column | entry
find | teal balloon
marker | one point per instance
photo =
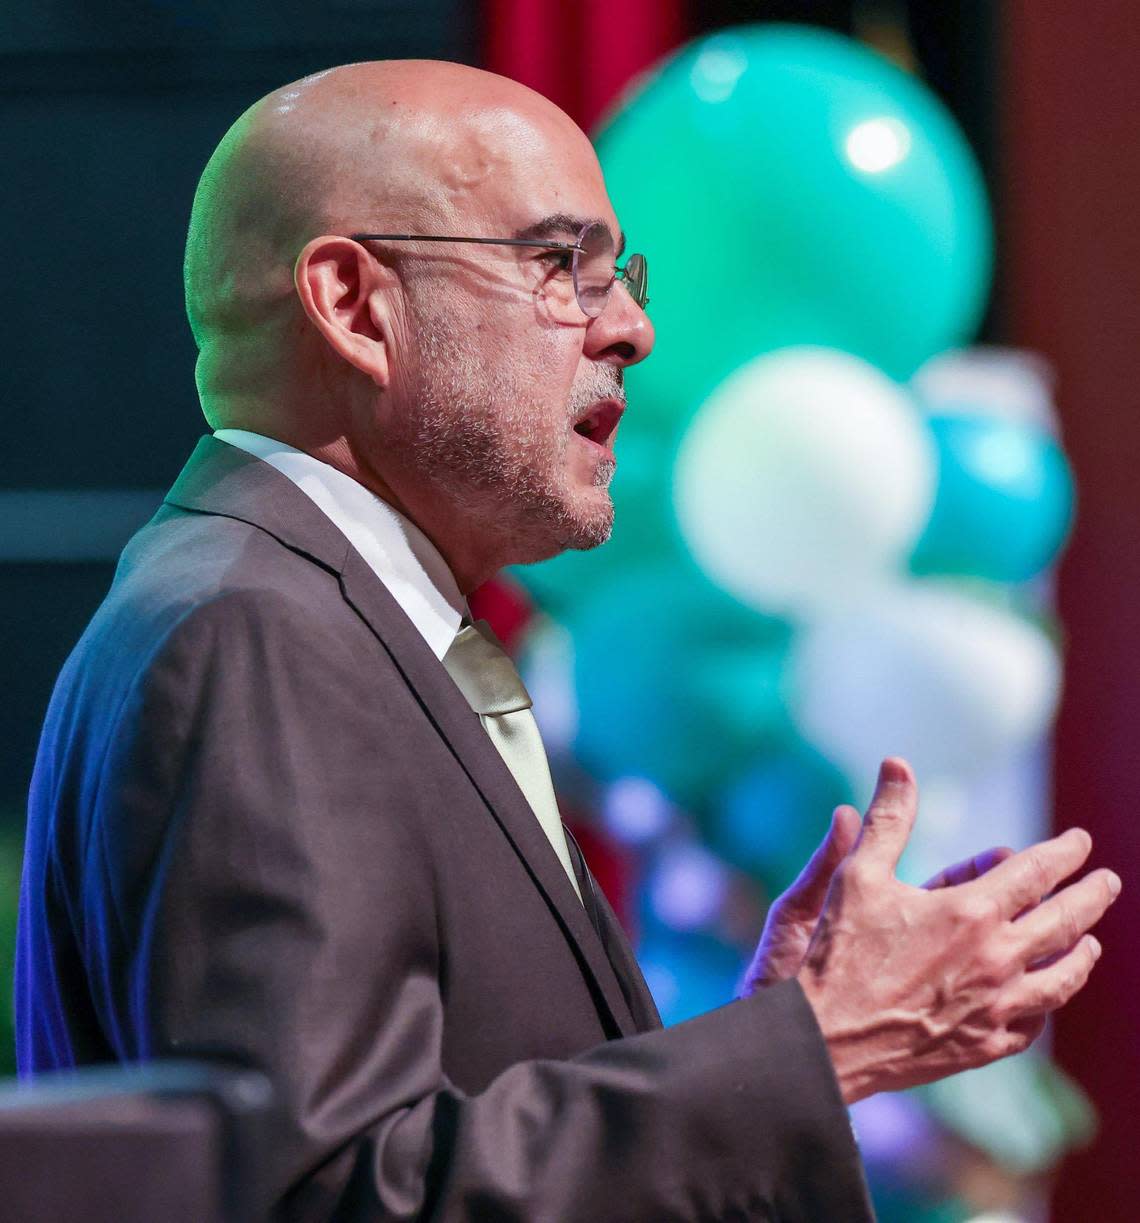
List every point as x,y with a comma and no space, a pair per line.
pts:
896,1203
1004,503
772,817
675,682
792,186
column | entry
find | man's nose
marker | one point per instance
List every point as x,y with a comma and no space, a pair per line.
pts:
622,333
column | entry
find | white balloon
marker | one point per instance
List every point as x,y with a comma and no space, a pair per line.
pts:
1011,384
926,672
804,480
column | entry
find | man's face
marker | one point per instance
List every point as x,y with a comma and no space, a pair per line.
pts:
497,379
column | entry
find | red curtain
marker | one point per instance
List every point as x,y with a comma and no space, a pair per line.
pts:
1071,137
579,53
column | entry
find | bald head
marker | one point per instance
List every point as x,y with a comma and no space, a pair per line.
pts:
446,377
402,145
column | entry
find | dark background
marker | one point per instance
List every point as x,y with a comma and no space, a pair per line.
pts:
109,112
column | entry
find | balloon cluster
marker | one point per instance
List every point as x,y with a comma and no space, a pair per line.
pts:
831,519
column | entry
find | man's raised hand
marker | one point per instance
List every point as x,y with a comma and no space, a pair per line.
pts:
792,916
912,984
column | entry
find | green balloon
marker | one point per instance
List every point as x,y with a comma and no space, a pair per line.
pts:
791,186
676,682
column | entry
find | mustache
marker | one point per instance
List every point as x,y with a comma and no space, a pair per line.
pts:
605,382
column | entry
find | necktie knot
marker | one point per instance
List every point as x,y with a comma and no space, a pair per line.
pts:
484,672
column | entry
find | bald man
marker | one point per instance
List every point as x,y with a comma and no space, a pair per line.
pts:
266,823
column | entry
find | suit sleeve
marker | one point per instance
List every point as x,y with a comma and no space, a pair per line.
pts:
279,906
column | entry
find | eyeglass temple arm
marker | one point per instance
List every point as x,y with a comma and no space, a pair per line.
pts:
546,246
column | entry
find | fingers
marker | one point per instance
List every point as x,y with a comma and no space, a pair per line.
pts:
1060,921
1021,881
971,868
804,899
1046,989
890,817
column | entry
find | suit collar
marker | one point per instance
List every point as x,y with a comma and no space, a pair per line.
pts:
401,555
221,479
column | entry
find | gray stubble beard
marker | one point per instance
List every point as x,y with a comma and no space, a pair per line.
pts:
468,410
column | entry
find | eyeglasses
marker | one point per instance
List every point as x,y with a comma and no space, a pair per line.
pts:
592,269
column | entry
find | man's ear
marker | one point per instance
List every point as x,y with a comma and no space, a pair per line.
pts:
343,291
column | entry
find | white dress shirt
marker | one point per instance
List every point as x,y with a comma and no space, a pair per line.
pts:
397,551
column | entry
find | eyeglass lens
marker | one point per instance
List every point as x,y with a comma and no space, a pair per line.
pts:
636,276
594,273
593,269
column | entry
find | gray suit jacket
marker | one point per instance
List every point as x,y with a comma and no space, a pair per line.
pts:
265,826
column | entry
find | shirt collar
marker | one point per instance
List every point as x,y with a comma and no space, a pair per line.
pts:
395,549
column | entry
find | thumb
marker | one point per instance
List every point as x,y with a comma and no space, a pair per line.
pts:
890,817
804,899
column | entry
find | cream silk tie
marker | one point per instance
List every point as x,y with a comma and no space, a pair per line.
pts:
484,673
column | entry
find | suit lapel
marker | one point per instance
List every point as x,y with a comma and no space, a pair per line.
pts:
222,479
620,954
634,988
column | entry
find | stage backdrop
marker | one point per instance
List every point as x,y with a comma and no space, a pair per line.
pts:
1067,195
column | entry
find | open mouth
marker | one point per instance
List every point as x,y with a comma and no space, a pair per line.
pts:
600,422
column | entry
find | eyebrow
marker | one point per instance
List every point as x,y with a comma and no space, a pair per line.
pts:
562,223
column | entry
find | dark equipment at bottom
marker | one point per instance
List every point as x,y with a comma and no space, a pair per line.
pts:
173,1141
